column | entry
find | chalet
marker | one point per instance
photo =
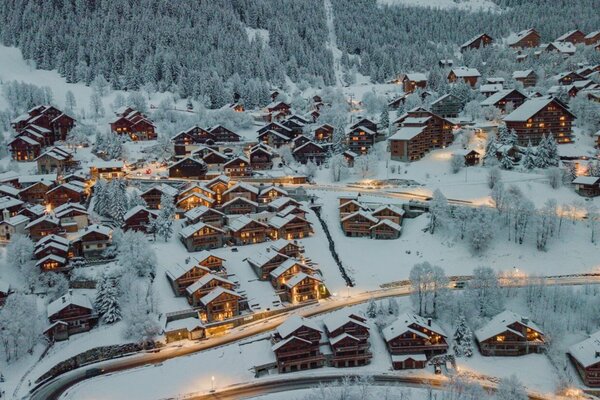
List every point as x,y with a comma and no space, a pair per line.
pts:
389,212
527,77
574,37
190,328
366,123
245,230
54,123
52,263
55,160
290,249
107,170
32,211
93,241
9,191
24,148
303,287
471,157
9,227
414,81
209,260
238,166
587,186
538,117
203,286
490,88
504,100
358,224
397,101
43,226
414,336
526,38
420,132
239,205
222,134
446,63
521,57
241,189
567,78
588,70
265,262
220,304
361,139
188,168
385,229
349,157
586,357
300,140
261,157
201,236
139,218
205,214
210,156
479,41
348,338
270,193
286,270
295,126
323,133
592,38
194,187
350,207
70,314
509,334
564,48
468,75
280,203
154,194
36,192
185,142
273,138
297,345
277,127
133,123
278,110
310,151
72,216
181,277
193,200
65,193
5,290
289,227
447,106
9,207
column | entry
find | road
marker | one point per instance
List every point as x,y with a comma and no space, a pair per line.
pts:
52,389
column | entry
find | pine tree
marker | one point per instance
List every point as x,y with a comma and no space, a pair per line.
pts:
491,147
384,119
101,197
543,157
529,158
135,199
112,307
163,224
101,304
506,162
552,150
463,346
371,308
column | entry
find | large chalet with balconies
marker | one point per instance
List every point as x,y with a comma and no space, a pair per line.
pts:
541,116
219,304
585,356
296,345
348,339
68,315
133,123
524,39
509,99
509,334
477,42
201,236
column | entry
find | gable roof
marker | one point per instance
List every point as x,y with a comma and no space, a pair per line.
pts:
287,264
407,132
199,211
242,185
69,299
335,321
205,280
362,213
522,74
295,322
402,323
500,323
242,221
282,343
532,107
299,277
496,97
465,72
216,293
136,210
587,352
191,229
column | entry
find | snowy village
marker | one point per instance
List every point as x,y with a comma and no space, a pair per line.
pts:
300,200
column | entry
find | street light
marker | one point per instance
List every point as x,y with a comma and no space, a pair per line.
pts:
212,384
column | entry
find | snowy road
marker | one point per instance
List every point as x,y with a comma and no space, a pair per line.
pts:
332,43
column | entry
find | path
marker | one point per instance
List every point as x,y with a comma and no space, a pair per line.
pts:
332,43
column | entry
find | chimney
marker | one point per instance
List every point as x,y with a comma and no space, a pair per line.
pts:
70,292
428,321
525,320
268,249
5,214
64,299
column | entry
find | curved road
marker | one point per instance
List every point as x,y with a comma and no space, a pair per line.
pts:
51,390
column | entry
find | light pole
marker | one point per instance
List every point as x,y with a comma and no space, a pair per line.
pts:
212,384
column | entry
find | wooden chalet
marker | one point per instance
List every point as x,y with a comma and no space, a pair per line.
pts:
280,203
303,287
585,355
241,189
575,37
290,227
265,262
447,106
55,245
414,336
181,277
349,340
220,304
468,75
68,315
238,167
65,193
524,39
212,158
510,98
134,124
154,194
278,110
24,148
361,139
385,229
350,207
273,138
222,134
310,151
295,125
205,214
52,263
185,142
48,121
300,140
239,205
9,207
538,117
35,193
11,226
288,248
587,186
510,334
55,160
323,133
296,345
245,230
190,328
43,226
471,157
72,216
414,81
568,78
93,241
188,168
206,284
477,42
286,270
592,38
270,193
261,157
527,77
193,200
201,236
420,132
358,224
107,170
139,218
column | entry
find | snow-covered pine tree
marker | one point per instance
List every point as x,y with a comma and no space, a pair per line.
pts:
529,161
438,211
112,311
506,162
163,224
371,308
543,156
101,197
100,303
384,119
135,199
552,150
463,345
491,147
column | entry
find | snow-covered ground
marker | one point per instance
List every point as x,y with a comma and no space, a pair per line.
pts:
467,5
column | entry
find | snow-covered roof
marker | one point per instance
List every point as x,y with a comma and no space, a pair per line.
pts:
68,186
53,238
200,283
473,39
407,132
25,180
197,195
500,323
362,214
52,257
416,76
311,143
8,176
403,322
299,277
335,321
242,199
189,324
16,220
242,185
586,180
106,164
176,271
388,223
587,352
287,264
163,188
189,230
566,35
591,35
339,338
201,162
26,139
404,357
491,87
496,97
264,257
241,222
564,47
278,222
67,300
49,218
295,322
136,210
528,109
515,37
52,245
281,201
282,343
8,202
522,74
393,208
216,293
276,188
364,129
465,72
280,244
197,212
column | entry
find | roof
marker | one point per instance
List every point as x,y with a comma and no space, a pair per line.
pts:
282,343
264,257
279,244
16,220
205,280
69,299
101,229
50,218
364,129
163,188
199,211
240,222
591,35
407,132
491,87
53,238
474,38
587,352
281,201
564,47
201,162
278,222
389,223
242,199
299,277
107,164
287,264
295,322
30,179
586,180
464,72
416,76
361,213
566,35
189,324
443,98
216,293
402,323
390,207
500,323
335,321
404,357
8,202
530,108
514,38
176,271
136,210
496,97
522,74
52,257
276,188
68,186
339,338
191,229
242,185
